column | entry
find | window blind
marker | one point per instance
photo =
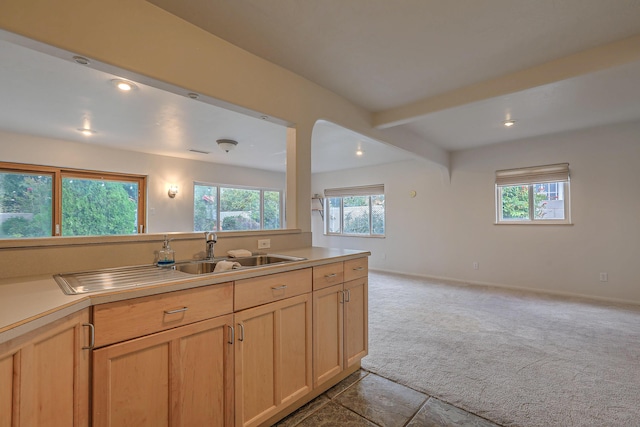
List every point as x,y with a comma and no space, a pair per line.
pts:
365,190
533,175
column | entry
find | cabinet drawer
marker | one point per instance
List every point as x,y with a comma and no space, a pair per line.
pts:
327,275
274,287
123,320
356,268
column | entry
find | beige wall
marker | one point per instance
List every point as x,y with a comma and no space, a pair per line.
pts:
69,254
448,226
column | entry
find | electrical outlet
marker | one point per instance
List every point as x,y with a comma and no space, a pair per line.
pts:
476,266
604,277
264,243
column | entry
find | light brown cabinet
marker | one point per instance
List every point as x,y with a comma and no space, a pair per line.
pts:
356,321
273,353
44,376
340,319
123,320
238,353
328,333
181,375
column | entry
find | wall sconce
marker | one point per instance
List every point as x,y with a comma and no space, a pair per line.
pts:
173,190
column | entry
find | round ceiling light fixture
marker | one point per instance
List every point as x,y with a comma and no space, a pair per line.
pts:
227,144
124,85
509,123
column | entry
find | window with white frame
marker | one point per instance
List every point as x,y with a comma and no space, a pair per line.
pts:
226,208
533,195
355,211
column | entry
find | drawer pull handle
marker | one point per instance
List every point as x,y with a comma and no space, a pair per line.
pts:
358,269
92,336
330,276
278,288
177,310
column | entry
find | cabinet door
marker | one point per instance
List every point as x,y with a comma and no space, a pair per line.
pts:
7,390
356,321
180,377
328,359
273,358
44,376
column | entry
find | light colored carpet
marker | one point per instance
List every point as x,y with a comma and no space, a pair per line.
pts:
518,359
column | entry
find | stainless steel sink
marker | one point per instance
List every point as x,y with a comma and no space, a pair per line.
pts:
145,275
258,260
205,267
196,267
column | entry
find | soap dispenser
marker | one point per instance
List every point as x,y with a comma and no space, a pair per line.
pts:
166,255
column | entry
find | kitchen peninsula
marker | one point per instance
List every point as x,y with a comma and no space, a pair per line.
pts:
243,347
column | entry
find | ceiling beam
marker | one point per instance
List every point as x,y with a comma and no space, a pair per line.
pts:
599,58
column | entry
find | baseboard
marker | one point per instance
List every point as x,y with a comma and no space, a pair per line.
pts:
568,295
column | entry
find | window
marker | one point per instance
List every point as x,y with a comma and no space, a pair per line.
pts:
95,205
223,208
537,195
40,201
355,211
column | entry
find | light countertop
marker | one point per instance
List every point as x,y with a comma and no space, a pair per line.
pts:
27,303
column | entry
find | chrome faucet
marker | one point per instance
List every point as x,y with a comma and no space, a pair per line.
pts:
211,238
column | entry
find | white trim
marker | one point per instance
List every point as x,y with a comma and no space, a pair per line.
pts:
531,220
498,286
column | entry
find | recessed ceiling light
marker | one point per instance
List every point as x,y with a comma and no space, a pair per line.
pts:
509,123
86,131
359,152
81,60
124,85
193,95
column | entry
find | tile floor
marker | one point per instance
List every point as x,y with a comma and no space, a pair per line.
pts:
368,400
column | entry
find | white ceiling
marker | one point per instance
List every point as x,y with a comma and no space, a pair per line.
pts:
50,95
599,98
385,56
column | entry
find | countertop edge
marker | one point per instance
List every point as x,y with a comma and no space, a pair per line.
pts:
314,256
